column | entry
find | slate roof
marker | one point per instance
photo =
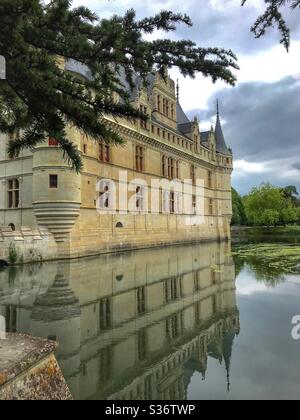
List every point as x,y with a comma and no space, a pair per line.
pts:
220,140
181,117
184,125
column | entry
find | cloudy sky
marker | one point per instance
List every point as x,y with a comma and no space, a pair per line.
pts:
261,117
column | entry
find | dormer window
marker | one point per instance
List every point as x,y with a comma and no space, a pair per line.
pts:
143,110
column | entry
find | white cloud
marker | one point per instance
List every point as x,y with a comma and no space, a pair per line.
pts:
251,167
270,66
247,285
267,66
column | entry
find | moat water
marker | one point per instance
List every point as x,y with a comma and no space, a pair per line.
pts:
175,323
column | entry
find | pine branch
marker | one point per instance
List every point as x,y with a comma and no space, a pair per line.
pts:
41,99
272,16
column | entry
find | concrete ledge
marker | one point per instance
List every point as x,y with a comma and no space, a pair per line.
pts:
29,370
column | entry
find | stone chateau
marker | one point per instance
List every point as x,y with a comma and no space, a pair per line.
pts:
50,211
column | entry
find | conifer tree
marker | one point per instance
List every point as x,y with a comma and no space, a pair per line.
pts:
273,16
39,99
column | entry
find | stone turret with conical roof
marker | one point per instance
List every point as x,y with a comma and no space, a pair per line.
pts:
220,140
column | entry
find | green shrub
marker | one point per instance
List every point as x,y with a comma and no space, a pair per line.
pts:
13,254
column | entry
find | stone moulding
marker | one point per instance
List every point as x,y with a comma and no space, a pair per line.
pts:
29,370
58,217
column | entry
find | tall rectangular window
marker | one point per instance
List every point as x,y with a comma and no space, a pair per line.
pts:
171,168
177,169
53,181
13,193
104,152
163,166
164,106
211,207
139,158
173,289
143,110
193,175
158,103
172,202
194,203
209,179
140,193
105,314
172,112
141,300
174,326
142,344
196,281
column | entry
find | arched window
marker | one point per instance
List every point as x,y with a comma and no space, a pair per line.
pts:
119,225
12,226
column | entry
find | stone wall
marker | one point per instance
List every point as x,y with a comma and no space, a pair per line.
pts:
26,245
29,370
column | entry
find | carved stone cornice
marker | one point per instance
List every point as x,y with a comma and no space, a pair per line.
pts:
158,145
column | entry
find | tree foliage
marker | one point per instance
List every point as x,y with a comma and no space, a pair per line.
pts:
238,209
39,99
267,206
273,16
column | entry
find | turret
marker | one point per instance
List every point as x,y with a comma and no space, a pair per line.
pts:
56,189
220,140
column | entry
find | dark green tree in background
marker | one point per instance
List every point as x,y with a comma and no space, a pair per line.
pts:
238,209
291,194
39,99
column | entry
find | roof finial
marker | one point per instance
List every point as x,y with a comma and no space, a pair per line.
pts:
177,90
218,109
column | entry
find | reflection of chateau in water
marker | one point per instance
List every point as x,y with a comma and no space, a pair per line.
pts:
131,326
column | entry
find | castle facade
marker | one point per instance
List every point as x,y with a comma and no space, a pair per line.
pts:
41,196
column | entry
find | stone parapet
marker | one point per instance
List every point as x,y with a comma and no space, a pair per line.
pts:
29,370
